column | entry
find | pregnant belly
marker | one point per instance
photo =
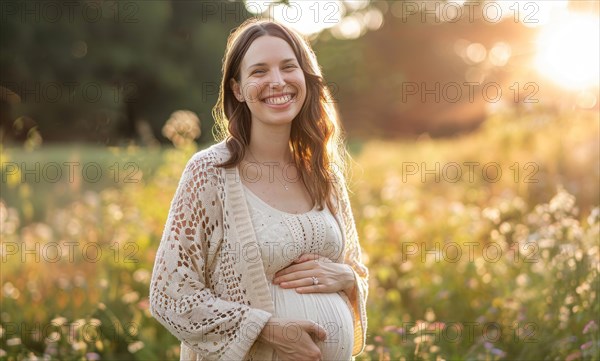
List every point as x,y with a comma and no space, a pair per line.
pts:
329,310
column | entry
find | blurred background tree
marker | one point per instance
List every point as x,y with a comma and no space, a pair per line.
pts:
113,74
113,71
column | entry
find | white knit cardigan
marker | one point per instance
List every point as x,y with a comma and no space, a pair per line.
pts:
208,285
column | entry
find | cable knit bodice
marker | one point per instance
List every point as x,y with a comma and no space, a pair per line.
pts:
283,236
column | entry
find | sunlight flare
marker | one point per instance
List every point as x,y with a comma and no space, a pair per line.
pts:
568,51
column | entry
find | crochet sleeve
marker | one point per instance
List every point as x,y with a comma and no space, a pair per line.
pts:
180,298
353,257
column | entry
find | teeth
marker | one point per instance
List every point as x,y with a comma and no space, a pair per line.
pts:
279,100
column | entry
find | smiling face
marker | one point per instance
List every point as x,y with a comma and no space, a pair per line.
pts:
271,82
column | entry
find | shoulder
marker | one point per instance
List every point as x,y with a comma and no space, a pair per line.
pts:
204,163
210,157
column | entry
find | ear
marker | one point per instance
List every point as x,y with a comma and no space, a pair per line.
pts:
236,90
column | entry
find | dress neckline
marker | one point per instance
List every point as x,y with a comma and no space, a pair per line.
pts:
267,205
270,207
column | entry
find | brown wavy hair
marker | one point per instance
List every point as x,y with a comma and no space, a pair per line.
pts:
316,138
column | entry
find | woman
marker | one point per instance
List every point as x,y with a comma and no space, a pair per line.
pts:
260,259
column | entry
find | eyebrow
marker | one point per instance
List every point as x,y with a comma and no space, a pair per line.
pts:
263,64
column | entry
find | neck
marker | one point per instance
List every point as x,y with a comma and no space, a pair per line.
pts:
270,143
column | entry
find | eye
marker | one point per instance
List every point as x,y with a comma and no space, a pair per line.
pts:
258,71
291,66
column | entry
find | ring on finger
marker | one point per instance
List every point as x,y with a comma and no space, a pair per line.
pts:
315,281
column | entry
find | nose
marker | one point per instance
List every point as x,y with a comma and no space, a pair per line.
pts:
277,78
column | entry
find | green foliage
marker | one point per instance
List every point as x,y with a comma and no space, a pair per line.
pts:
100,68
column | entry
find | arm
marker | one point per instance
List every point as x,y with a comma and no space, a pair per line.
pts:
357,293
179,297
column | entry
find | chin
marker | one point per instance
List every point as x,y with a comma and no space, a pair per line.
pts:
283,120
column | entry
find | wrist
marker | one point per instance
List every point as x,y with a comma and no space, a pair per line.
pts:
351,282
267,335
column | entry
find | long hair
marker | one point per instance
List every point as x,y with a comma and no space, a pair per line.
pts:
316,138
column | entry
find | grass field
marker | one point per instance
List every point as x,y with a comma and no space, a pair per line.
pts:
480,247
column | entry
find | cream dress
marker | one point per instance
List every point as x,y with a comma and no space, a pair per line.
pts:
282,238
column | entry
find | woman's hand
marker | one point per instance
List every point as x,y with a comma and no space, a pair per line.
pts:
292,339
331,276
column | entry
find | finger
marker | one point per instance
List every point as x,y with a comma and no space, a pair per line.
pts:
285,281
320,288
317,330
293,268
302,282
307,257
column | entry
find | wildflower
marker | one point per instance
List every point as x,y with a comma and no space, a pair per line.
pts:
562,202
492,214
130,297
590,327
141,275
436,326
92,356
420,326
58,321
115,211
505,227
135,346
429,315
9,289
182,127
522,279
594,216
53,337
144,304
15,341
546,243
498,352
51,350
80,345
587,345
394,329
79,280
423,339
389,328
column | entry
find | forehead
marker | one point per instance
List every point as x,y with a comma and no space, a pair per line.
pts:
267,49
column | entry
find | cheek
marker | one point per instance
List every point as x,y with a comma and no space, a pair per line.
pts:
299,82
302,88
252,90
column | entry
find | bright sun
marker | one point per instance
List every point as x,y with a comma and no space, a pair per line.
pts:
568,51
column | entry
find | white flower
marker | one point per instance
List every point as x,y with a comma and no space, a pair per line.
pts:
135,346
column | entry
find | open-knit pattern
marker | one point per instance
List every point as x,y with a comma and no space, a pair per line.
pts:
208,285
